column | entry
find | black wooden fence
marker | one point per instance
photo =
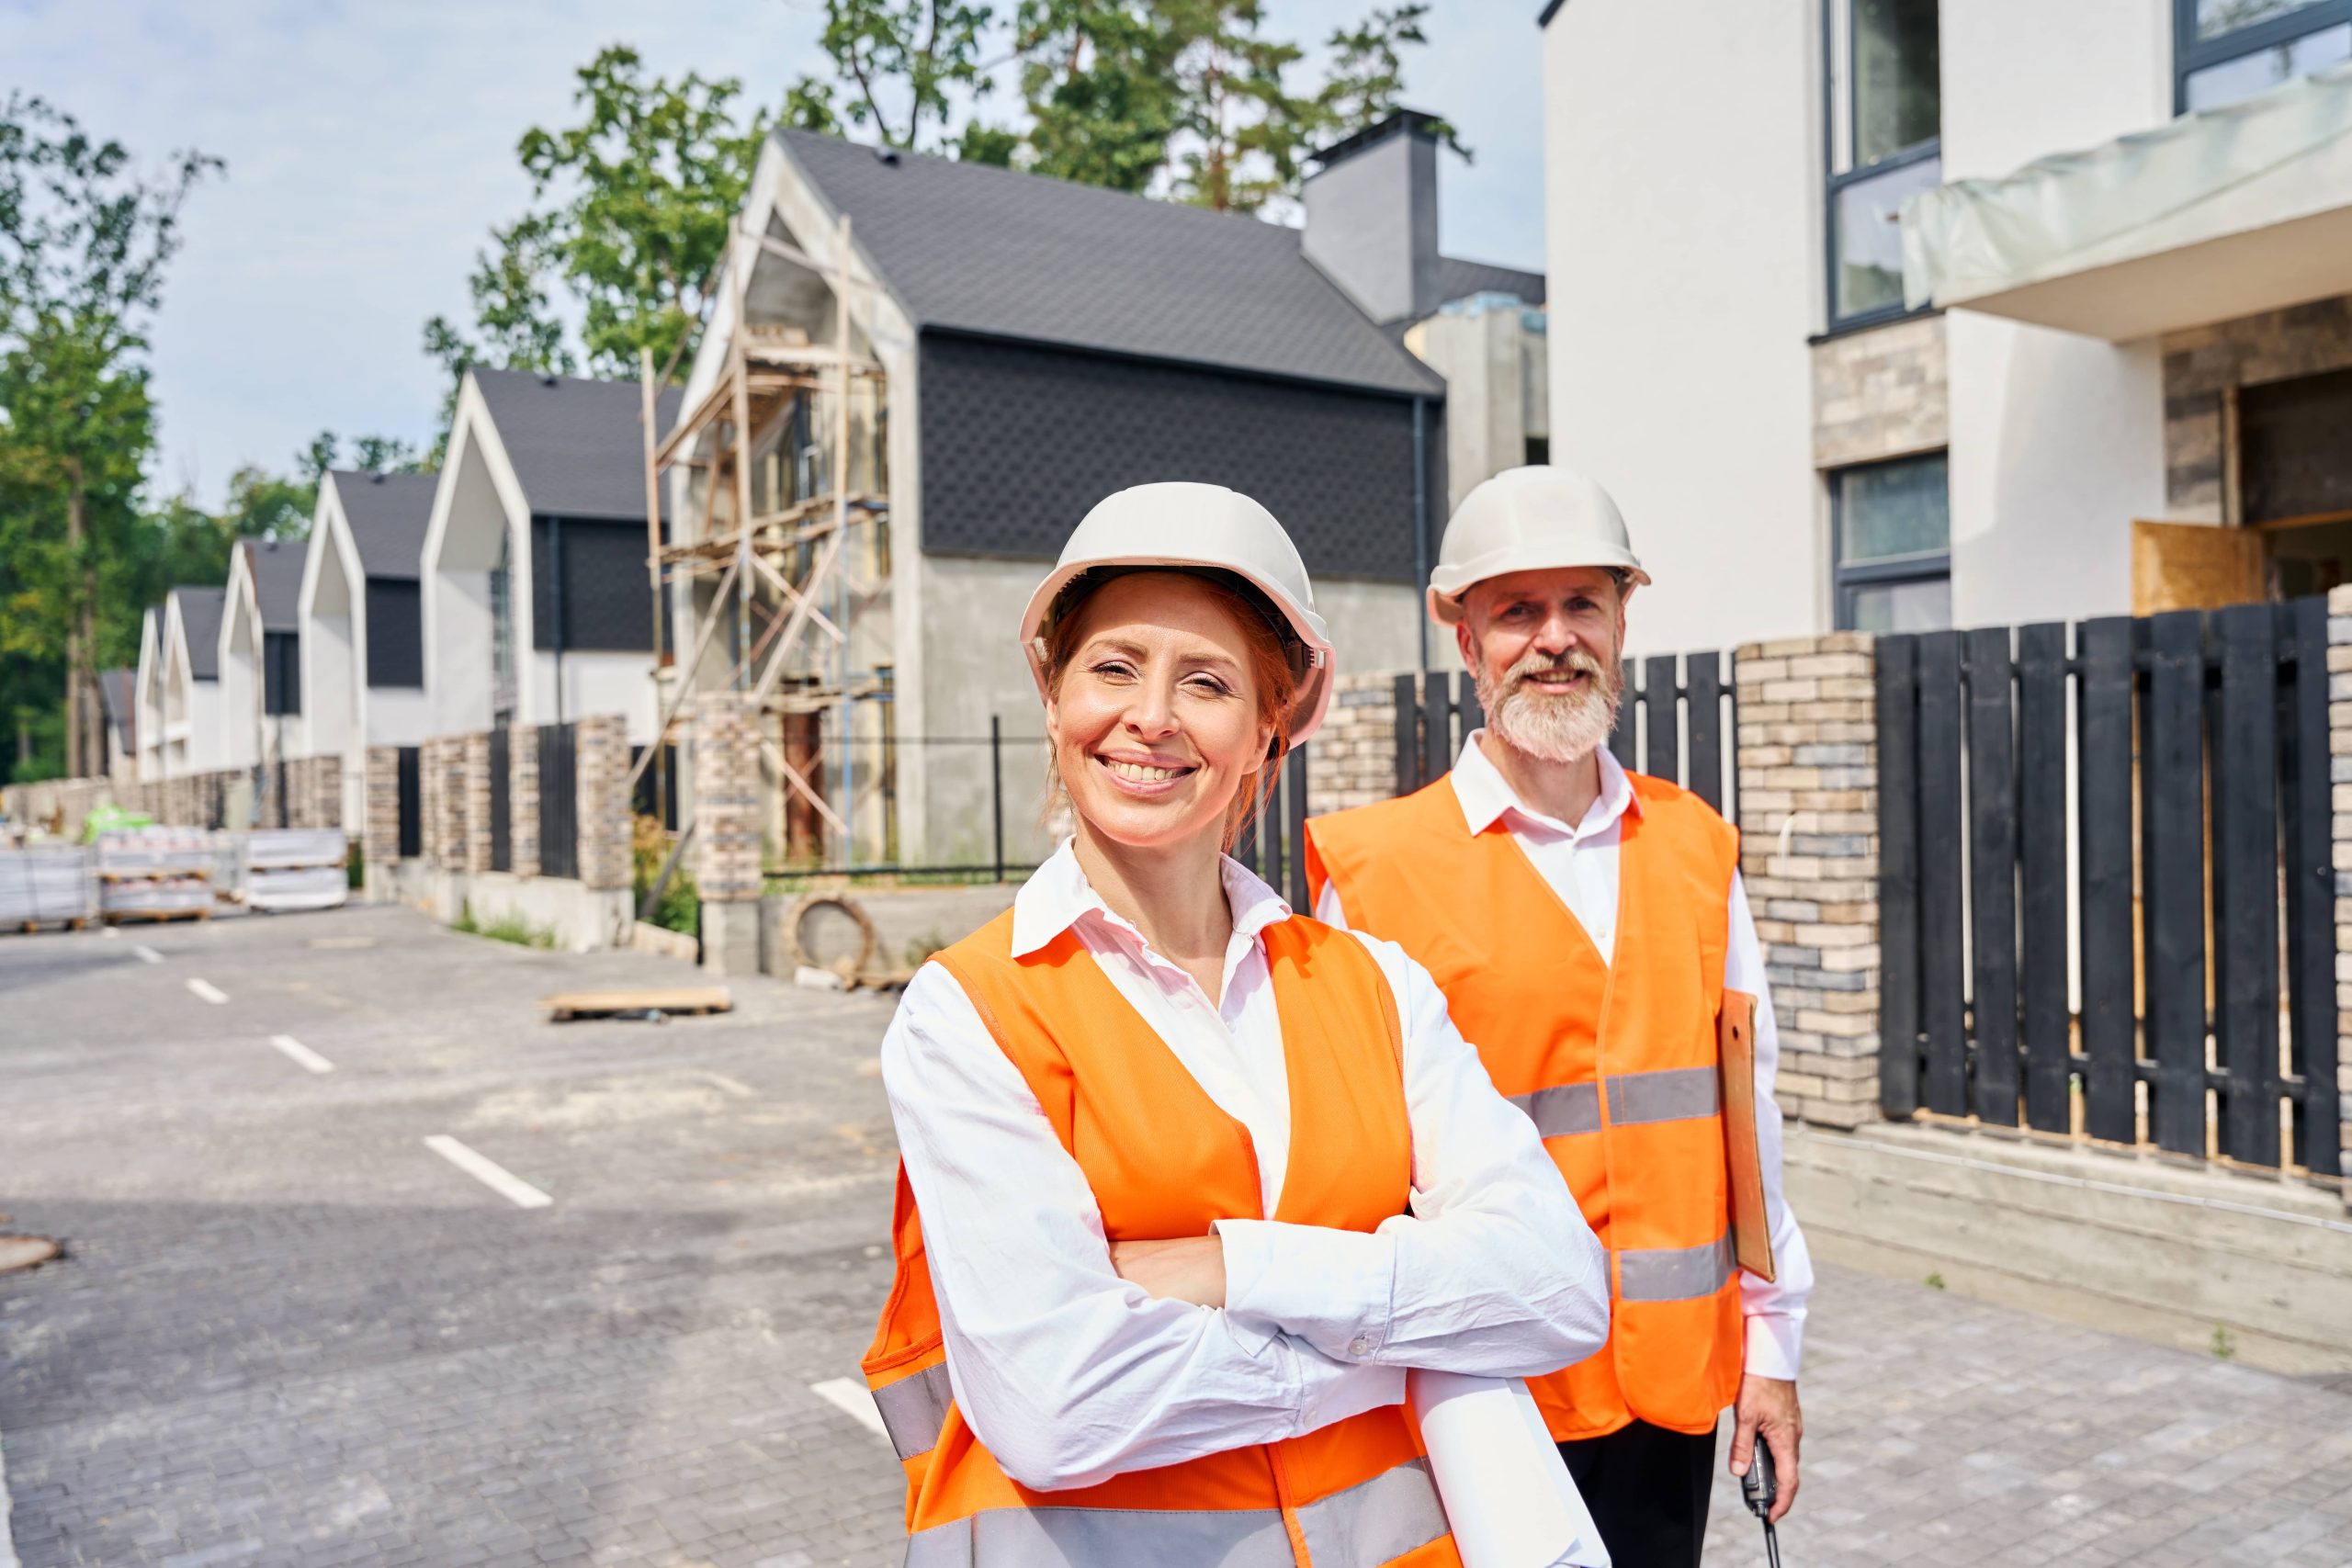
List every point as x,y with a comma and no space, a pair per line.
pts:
2022,978
558,801
1274,843
1672,723
411,790
502,799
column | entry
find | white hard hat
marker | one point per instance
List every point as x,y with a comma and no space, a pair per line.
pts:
1532,519
1195,527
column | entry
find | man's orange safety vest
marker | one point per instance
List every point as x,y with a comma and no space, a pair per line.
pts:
1163,1162
1616,1062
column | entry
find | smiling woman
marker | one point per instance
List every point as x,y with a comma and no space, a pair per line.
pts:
1189,1181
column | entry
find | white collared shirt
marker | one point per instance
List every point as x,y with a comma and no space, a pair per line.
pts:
1580,863
1069,1374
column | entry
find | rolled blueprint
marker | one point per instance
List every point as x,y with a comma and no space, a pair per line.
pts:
1508,1496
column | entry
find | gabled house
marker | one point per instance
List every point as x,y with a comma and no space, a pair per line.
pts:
117,695
538,604
360,609
261,673
192,729
1040,344
147,696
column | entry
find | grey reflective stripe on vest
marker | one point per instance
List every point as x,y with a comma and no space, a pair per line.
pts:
1105,1537
1674,1274
1557,1112
915,1410
1373,1522
1673,1094
1376,1520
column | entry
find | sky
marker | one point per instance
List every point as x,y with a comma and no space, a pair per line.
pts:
370,147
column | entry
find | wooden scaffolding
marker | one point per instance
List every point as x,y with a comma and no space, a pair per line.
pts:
778,539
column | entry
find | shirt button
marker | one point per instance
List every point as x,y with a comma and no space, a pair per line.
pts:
1360,1346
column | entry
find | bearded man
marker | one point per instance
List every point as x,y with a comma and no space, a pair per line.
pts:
1590,933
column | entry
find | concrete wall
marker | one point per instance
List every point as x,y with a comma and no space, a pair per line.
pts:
1685,275
458,643
581,919
590,682
1496,363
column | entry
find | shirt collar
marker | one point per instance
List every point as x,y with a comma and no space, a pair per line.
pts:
1484,794
1058,895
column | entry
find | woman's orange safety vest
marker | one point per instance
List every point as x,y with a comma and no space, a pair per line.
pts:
1616,1062
1164,1161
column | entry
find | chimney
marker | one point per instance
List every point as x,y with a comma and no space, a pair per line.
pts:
1372,217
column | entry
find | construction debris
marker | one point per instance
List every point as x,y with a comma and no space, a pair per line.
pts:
654,1003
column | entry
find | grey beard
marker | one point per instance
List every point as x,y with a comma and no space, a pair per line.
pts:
1555,729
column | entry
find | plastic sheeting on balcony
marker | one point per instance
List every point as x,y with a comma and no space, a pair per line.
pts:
2216,215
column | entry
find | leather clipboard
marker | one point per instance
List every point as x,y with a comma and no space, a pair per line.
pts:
1751,1227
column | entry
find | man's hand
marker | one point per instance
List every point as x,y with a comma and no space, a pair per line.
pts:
1191,1269
1769,1406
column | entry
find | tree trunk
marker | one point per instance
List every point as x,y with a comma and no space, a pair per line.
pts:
74,653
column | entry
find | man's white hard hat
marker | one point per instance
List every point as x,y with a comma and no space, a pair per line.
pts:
1532,519
1201,528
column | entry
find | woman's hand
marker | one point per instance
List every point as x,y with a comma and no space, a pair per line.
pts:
1191,1269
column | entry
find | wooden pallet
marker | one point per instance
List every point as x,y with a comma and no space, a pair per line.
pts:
665,1000
130,917
64,923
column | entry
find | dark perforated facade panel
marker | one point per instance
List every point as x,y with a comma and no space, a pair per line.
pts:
1018,442
281,672
607,602
395,633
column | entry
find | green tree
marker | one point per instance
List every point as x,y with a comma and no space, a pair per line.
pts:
1099,80
84,240
640,192
896,62
1368,73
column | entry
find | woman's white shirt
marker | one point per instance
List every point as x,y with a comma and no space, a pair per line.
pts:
1068,1374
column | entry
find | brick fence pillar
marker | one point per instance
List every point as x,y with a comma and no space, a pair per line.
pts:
1808,821
726,751
380,833
603,752
442,770
523,798
2339,775
1355,751
473,783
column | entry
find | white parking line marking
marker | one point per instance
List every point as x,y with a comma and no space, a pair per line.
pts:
147,953
108,932
488,1172
851,1399
206,991
303,1054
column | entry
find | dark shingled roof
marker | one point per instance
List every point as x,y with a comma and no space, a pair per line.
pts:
389,515
277,582
976,249
114,692
576,445
1458,279
200,610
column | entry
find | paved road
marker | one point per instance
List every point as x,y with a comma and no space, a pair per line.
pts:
289,1331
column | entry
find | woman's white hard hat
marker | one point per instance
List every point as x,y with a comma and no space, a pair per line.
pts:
1533,519
1199,528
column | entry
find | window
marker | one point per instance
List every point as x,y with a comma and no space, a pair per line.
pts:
281,672
395,633
1885,120
2226,51
1891,538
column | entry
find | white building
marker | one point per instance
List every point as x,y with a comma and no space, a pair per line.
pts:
2126,304
260,664
538,600
179,670
360,609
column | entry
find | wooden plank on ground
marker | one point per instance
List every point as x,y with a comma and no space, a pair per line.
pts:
653,999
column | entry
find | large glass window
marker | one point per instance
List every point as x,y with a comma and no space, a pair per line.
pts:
1891,528
2227,50
1884,119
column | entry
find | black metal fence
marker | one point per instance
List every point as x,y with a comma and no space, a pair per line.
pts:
1672,722
412,792
2121,980
501,798
1274,843
559,800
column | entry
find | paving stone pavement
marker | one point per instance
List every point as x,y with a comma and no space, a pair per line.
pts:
286,1333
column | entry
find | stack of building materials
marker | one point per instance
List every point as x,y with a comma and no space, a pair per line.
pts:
296,868
45,884
157,873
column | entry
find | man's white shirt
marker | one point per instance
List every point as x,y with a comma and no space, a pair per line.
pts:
1580,863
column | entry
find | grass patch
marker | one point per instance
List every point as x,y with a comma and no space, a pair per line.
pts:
505,927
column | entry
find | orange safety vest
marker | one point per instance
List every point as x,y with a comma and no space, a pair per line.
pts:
1616,1062
1164,1161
